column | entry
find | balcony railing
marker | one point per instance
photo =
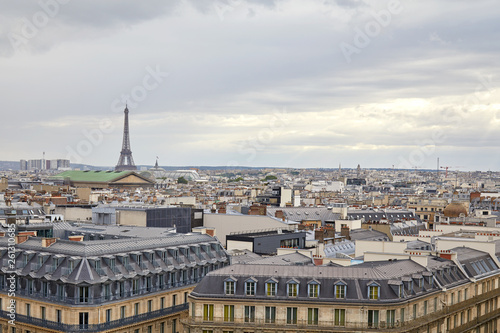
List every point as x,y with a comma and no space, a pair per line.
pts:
98,327
92,300
280,324
476,321
407,326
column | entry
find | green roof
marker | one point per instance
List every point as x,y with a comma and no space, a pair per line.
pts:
91,176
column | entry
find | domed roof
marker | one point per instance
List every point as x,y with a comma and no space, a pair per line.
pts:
454,209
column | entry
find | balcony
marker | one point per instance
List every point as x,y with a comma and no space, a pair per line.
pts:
93,300
476,322
97,327
407,326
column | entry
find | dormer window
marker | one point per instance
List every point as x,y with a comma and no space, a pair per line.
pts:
229,286
313,289
271,287
175,254
373,291
292,288
250,286
112,264
340,290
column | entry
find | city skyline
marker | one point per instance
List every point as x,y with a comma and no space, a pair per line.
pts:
253,83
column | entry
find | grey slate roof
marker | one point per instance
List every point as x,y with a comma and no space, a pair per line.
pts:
357,279
295,258
366,234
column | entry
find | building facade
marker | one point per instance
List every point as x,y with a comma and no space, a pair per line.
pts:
135,284
389,296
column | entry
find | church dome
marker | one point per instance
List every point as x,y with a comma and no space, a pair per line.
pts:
454,209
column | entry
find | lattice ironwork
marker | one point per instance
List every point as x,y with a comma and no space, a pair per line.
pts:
126,161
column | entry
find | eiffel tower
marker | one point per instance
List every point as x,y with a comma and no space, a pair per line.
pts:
125,162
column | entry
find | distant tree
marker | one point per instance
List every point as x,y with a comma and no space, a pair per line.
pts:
181,180
239,179
269,177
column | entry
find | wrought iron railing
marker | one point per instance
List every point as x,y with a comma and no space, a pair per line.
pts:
70,328
406,326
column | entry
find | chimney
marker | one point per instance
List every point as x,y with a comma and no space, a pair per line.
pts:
21,238
46,242
279,214
345,232
78,238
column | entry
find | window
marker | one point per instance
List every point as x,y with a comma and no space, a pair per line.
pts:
312,316
249,314
58,316
107,291
291,315
208,312
136,309
250,288
185,297
229,287
60,292
372,318
313,290
452,298
459,296
339,317
28,310
228,313
135,287
402,315
84,320
121,287
425,308
148,283
162,327
45,289
466,291
174,300
162,302
340,290
174,326
43,313
108,315
161,281
150,329
84,294
373,292
122,311
30,286
414,311
270,314
400,291
271,289
150,305
391,315
292,289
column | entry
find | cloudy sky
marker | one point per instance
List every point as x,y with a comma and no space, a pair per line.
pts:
287,83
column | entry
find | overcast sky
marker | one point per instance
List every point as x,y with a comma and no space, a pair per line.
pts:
286,83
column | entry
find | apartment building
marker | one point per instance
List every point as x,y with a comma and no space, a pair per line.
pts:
387,296
116,283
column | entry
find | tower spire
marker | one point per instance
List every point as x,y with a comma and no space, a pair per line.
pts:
125,162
